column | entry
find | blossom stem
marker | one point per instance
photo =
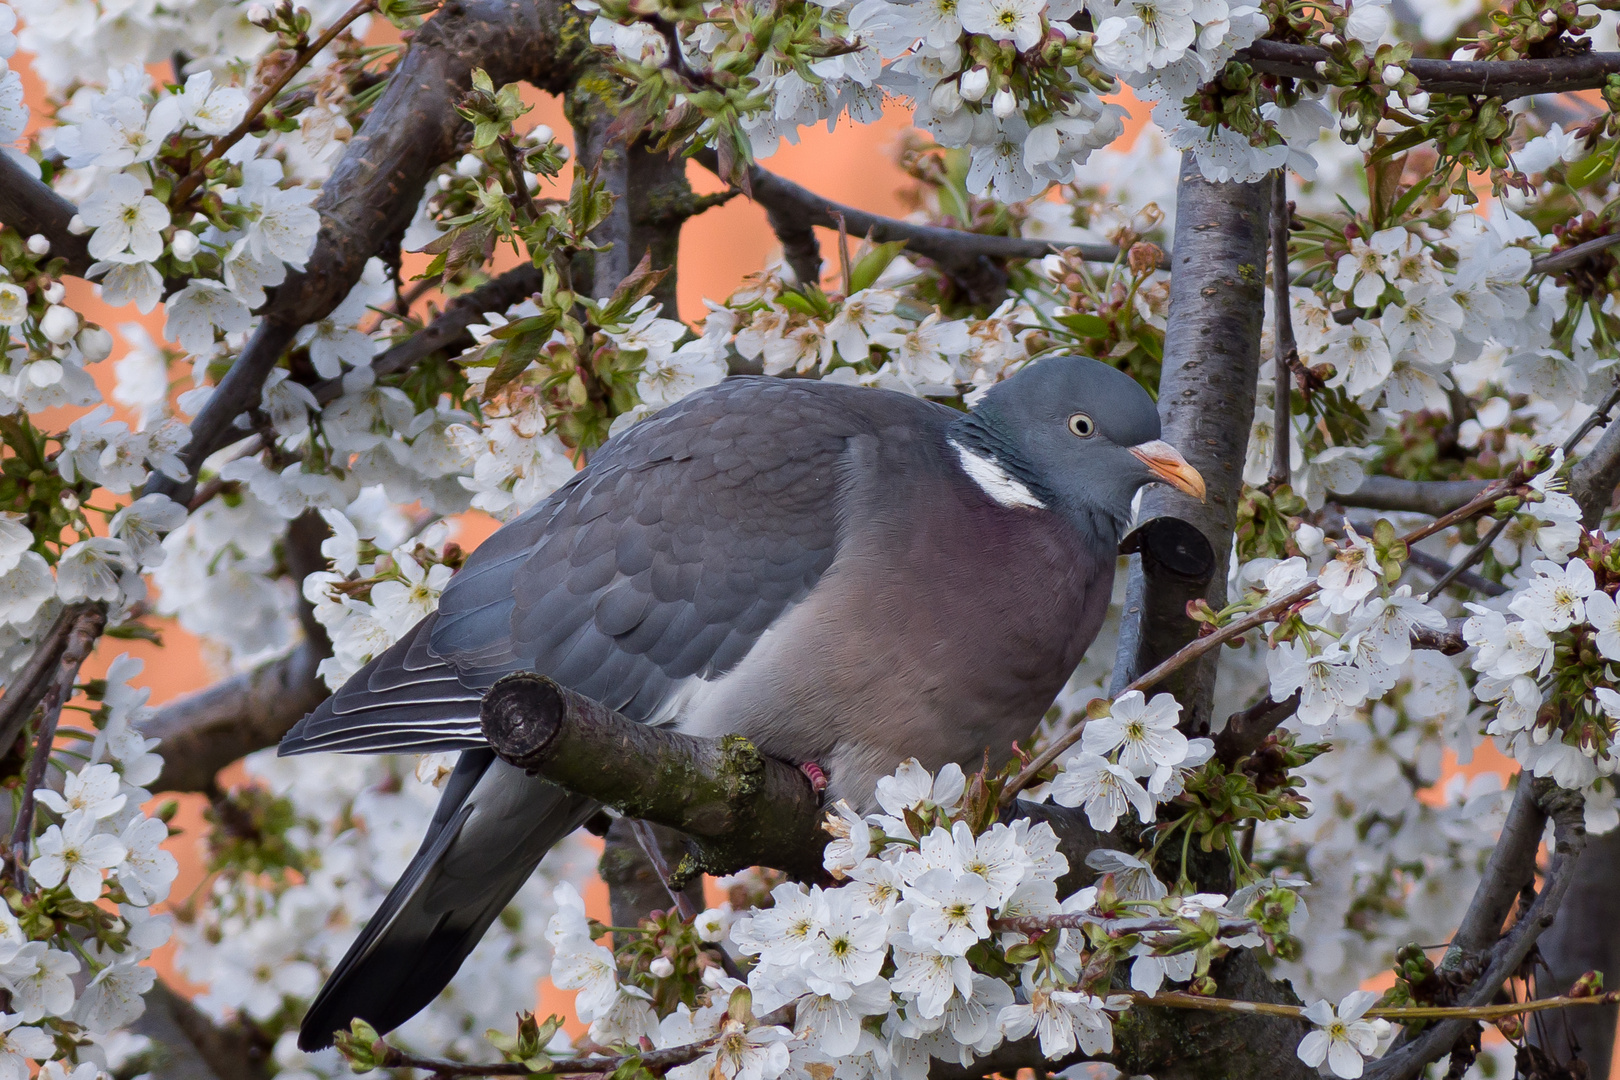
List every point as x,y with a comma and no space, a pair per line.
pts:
195,177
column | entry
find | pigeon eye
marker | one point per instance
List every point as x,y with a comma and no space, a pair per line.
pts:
1082,425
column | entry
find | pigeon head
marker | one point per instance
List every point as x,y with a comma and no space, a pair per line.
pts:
1072,435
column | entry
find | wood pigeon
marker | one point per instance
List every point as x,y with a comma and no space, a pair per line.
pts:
847,576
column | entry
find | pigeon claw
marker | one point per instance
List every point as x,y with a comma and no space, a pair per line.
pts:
818,779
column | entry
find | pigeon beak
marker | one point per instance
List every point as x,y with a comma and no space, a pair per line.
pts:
1168,465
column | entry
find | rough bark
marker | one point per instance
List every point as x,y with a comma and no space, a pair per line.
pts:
1206,403
651,194
372,194
206,731
1582,940
740,807
1592,479
1486,78
30,206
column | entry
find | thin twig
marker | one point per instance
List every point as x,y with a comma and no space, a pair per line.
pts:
87,627
1475,553
1283,347
1555,262
1209,642
1599,418
266,97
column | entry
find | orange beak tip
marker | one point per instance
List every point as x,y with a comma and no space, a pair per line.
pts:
1167,464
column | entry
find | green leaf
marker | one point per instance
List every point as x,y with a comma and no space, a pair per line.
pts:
1086,325
869,267
1589,170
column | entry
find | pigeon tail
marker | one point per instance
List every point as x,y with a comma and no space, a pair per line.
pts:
491,829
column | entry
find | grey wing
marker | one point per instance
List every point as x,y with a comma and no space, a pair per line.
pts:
659,565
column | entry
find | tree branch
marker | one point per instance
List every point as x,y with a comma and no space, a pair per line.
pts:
206,731
1247,729
740,807
30,206
1206,402
1592,479
1484,78
1510,953
954,249
1433,497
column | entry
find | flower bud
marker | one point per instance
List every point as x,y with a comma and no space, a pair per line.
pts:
258,14
95,343
59,325
77,227
1391,74
945,98
1418,102
1329,40
974,84
469,166
1005,104
541,135
38,245
661,967
54,292
185,245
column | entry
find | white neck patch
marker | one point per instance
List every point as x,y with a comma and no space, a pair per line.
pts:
996,482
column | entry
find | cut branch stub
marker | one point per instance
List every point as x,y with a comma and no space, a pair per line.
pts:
1176,564
739,807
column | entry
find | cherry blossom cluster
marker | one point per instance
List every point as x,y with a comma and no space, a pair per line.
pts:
75,925
334,833
889,970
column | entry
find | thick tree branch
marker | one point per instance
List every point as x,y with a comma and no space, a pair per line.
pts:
1485,78
740,807
1509,954
230,1051
1434,497
30,206
206,731
31,683
954,249
1206,402
1582,940
372,194
1592,479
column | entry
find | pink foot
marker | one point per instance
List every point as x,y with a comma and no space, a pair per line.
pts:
818,779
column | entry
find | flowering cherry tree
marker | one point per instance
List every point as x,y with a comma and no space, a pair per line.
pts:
1362,252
